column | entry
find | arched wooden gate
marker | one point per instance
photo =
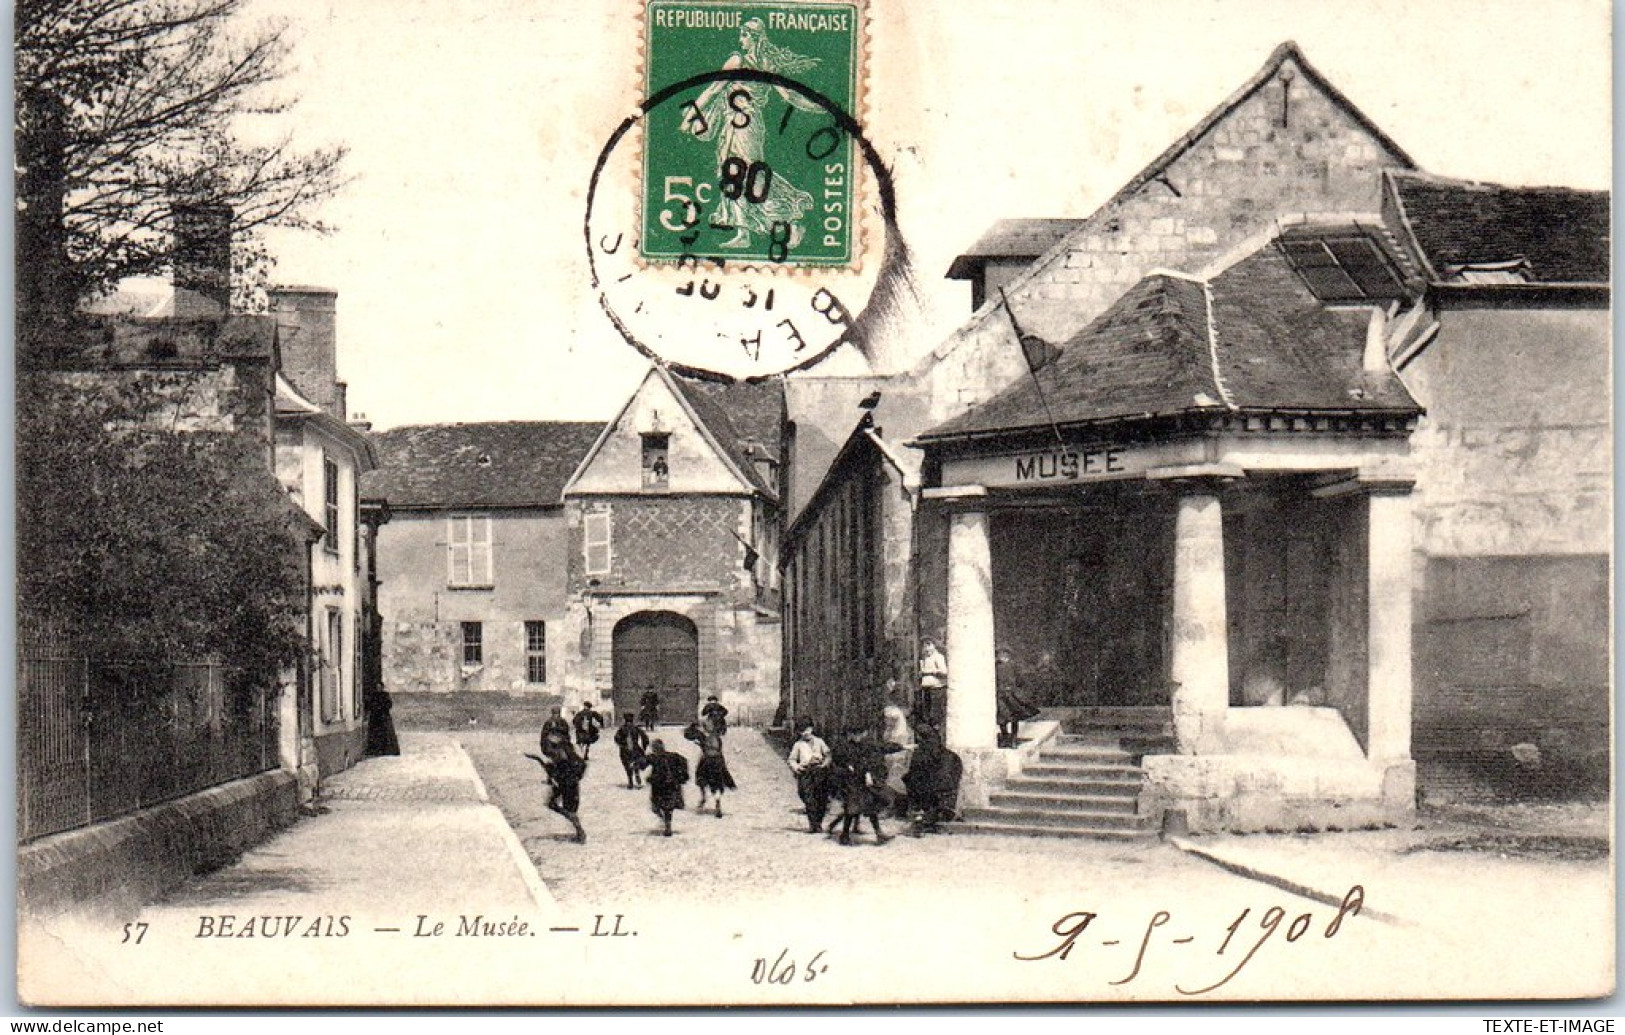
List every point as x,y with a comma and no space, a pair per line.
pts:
659,651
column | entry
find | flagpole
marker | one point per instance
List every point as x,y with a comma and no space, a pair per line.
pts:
1021,341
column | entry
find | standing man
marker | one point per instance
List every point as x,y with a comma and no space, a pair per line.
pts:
668,771
933,684
649,709
809,760
587,723
633,743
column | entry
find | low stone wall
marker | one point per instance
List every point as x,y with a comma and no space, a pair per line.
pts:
1249,793
117,866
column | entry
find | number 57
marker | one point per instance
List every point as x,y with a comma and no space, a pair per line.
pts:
690,202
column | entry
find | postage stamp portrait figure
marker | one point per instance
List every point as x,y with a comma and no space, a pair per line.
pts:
748,154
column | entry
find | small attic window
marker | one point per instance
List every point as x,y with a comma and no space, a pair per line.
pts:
1346,267
1512,271
483,460
656,468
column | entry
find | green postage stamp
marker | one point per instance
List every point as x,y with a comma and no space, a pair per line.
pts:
749,148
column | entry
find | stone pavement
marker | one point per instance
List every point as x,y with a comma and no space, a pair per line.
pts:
395,839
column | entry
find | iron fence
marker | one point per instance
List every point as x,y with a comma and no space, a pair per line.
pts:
100,739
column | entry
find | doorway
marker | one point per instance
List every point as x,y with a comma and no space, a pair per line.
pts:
659,651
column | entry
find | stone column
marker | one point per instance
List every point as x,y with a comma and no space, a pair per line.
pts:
972,720
1388,618
1200,662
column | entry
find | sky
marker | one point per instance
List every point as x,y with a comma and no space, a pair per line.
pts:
473,126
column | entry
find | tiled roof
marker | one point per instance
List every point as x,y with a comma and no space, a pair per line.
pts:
496,464
1156,352
1277,347
1012,239
746,419
1146,354
1562,234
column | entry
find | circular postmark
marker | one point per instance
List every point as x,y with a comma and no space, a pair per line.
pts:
712,264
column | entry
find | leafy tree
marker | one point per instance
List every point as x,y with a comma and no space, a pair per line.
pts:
125,107
154,545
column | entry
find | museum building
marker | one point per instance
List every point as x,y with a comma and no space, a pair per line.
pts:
1284,471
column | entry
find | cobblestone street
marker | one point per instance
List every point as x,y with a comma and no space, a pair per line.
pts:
760,844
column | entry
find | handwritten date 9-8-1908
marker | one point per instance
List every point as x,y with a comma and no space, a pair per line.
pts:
1241,942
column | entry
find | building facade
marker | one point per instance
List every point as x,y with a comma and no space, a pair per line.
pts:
674,529
1510,354
472,565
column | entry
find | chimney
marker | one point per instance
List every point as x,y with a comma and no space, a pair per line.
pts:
202,259
306,325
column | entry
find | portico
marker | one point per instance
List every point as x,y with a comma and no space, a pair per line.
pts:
1242,563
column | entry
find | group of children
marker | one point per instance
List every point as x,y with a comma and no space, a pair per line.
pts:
644,760
855,773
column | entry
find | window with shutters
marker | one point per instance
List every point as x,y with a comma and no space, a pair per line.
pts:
468,550
330,503
597,546
332,665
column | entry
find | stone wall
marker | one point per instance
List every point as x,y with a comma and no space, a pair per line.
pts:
1514,504
1251,793
117,866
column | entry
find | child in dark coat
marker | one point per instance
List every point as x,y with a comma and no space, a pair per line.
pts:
668,771
564,769
858,768
711,776
633,744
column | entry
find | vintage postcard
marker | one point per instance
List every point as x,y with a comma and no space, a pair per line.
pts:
813,502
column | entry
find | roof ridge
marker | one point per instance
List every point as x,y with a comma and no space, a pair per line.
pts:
485,424
1213,348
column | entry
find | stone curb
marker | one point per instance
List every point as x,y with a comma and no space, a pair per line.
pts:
1263,877
527,869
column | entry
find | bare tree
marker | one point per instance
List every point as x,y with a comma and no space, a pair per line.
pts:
126,107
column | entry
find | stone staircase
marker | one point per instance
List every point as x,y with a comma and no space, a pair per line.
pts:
1085,782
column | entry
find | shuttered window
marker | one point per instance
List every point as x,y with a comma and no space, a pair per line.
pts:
468,550
597,543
